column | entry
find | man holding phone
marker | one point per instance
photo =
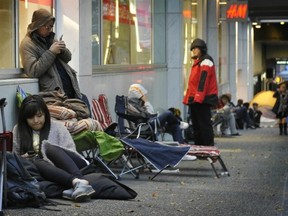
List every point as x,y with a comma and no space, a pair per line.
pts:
46,58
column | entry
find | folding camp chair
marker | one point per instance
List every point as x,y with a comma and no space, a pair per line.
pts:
100,112
99,148
209,153
139,138
132,126
153,155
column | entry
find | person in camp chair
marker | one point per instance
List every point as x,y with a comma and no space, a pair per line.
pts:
137,97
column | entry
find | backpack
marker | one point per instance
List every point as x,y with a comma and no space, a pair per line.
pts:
23,190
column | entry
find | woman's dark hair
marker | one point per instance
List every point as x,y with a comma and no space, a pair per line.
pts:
30,106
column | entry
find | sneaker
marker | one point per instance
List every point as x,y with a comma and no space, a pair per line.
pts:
189,158
184,125
82,192
167,170
67,194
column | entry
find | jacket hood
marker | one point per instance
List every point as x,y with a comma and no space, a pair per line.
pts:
39,18
136,91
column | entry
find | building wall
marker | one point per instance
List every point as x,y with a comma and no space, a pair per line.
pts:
8,88
165,83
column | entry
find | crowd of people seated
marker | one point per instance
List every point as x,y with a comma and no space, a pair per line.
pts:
233,117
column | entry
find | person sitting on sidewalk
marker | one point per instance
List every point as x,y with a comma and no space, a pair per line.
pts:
242,116
228,116
50,147
137,96
255,114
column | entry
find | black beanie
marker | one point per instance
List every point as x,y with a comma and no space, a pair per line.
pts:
200,44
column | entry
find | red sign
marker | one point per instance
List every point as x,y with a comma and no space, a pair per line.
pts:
124,14
237,11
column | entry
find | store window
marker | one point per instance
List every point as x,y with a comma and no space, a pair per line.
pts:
223,76
126,32
190,22
7,36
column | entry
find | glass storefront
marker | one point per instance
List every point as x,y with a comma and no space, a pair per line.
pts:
223,38
7,36
190,26
126,32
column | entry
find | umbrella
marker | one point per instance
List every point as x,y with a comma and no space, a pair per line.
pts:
266,102
264,98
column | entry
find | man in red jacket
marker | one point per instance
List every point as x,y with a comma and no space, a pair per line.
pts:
202,93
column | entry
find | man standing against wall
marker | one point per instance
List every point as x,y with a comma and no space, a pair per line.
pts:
202,93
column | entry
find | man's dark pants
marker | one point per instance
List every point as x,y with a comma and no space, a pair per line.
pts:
202,124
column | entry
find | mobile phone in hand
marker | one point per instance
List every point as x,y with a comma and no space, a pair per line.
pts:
60,39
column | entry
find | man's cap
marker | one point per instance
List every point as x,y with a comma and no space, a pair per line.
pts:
198,43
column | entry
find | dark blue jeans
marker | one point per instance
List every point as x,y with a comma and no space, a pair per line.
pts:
171,124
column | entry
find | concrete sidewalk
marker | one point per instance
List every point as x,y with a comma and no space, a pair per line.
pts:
258,164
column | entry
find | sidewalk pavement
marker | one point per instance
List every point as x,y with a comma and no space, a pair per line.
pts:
258,164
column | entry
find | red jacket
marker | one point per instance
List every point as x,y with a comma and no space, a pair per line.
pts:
202,85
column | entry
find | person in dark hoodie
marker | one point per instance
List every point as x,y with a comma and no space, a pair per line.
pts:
202,93
46,58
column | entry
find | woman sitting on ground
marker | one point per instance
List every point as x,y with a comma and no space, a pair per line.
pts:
50,147
172,124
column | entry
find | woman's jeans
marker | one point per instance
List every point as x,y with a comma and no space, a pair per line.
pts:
171,124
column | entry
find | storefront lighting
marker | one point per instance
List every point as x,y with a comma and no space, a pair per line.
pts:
133,10
223,3
137,34
117,19
277,79
282,23
194,3
273,20
186,45
132,6
254,23
107,50
258,26
283,62
26,4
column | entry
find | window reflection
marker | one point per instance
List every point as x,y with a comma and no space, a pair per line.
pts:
190,22
126,31
7,56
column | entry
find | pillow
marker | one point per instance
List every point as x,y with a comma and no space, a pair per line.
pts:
74,126
60,112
